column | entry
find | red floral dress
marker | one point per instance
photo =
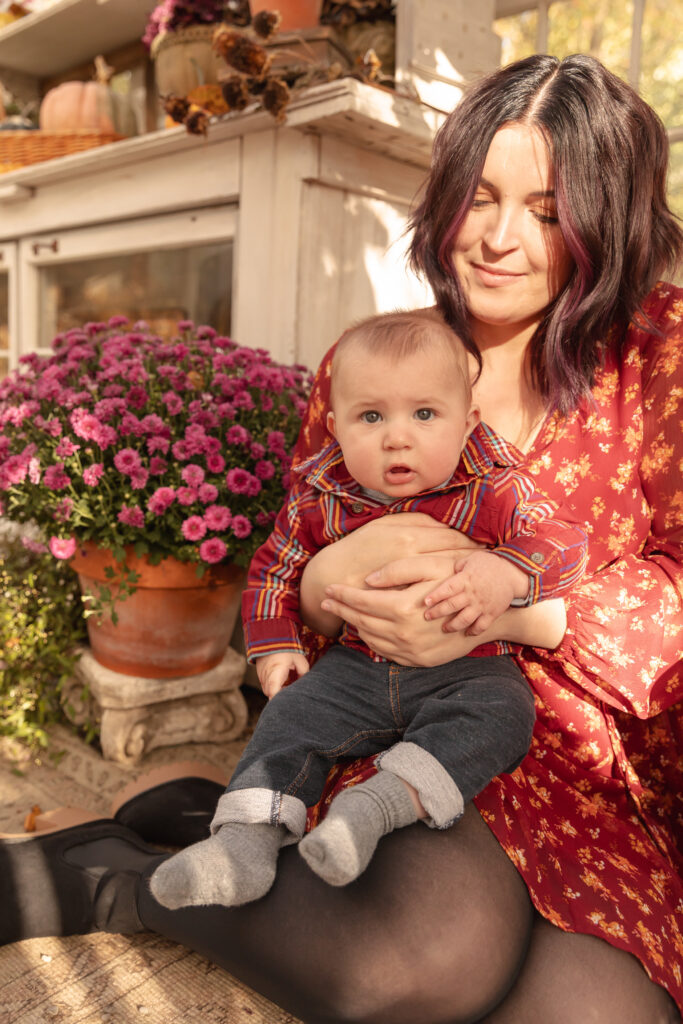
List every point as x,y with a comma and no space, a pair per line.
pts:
593,818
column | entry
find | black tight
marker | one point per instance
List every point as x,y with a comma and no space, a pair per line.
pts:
436,931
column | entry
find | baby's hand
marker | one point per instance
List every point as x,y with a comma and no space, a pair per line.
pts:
482,588
273,670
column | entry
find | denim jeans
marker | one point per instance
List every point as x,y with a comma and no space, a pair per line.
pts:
446,730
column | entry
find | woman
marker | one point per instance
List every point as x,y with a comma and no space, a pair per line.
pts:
542,231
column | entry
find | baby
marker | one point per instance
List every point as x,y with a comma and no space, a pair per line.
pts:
407,438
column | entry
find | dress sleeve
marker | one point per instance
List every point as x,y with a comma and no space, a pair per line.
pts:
313,435
624,641
270,602
537,537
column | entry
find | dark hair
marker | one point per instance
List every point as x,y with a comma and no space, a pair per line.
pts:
404,333
609,152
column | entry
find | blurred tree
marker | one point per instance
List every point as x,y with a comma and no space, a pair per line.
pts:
603,29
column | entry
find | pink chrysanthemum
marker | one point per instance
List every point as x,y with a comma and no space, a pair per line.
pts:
238,481
162,499
217,517
264,469
93,474
207,493
131,516
212,550
62,548
186,495
193,475
241,526
127,461
55,478
193,528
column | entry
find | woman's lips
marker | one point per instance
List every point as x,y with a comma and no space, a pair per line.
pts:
495,275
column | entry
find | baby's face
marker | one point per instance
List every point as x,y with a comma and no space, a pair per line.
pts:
401,424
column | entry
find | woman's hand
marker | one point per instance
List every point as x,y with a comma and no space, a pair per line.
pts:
392,621
370,548
393,624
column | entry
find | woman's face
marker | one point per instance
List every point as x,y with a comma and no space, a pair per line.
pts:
509,254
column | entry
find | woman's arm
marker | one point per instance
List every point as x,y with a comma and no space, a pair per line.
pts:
392,622
624,640
350,560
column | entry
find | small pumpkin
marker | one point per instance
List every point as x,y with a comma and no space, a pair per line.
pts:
88,106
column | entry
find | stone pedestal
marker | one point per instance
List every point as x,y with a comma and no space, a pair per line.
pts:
137,715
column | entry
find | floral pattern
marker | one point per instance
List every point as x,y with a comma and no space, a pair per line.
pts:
593,818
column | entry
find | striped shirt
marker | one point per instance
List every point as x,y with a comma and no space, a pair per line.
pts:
488,498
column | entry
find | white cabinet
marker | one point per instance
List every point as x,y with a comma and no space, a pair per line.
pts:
9,326
70,32
286,233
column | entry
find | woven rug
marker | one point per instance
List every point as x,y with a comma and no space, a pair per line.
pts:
109,979
113,979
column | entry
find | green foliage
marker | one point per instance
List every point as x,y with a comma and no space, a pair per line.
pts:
41,623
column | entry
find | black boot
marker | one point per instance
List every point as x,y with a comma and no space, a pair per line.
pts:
72,881
174,812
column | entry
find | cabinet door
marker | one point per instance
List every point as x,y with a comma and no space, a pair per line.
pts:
8,308
157,269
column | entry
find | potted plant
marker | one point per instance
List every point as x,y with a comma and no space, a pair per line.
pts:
178,35
150,464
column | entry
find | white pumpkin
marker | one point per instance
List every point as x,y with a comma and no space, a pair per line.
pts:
88,106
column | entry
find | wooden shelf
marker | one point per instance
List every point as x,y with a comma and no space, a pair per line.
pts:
70,32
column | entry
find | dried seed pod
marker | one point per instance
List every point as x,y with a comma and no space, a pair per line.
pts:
256,86
266,23
176,107
369,65
235,92
275,98
241,53
197,121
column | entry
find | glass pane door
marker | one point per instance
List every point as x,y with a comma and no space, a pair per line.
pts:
157,269
159,287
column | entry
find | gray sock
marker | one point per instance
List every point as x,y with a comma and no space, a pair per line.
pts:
340,848
234,866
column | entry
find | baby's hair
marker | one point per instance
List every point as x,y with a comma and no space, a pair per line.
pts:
404,333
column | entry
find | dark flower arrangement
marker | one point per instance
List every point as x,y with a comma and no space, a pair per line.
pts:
255,75
170,15
177,448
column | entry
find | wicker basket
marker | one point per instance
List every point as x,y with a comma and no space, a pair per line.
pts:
19,148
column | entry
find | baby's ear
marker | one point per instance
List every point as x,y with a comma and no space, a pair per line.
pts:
473,419
331,424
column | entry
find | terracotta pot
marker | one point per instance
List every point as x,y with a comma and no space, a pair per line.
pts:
173,625
184,59
294,13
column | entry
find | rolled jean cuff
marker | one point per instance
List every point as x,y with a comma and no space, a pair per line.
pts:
439,795
258,806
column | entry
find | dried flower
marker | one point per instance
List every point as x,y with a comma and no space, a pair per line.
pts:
235,92
369,65
176,107
275,98
197,121
266,23
240,52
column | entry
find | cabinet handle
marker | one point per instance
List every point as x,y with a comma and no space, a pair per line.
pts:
52,246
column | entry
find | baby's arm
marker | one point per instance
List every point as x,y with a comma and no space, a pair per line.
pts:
273,670
483,587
